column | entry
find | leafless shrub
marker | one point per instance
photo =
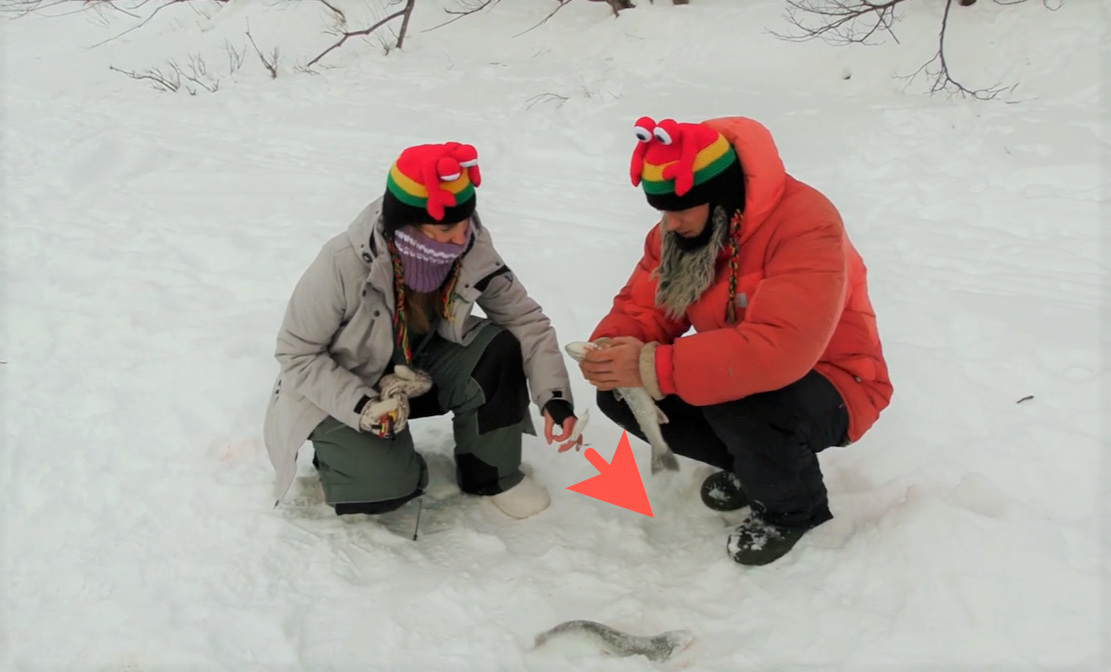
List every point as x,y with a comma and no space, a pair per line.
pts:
543,97
269,62
235,57
860,21
189,78
159,80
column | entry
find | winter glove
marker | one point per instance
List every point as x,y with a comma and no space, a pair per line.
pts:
404,381
560,410
385,417
390,414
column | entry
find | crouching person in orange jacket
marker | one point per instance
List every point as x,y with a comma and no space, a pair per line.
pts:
785,359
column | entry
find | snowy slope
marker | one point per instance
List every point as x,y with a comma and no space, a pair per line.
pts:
151,241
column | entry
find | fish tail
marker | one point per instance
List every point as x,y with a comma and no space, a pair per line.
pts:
664,460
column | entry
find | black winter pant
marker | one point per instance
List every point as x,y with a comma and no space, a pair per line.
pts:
769,440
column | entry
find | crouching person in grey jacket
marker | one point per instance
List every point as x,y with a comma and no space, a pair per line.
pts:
379,331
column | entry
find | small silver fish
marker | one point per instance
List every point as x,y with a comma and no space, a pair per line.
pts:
617,643
648,415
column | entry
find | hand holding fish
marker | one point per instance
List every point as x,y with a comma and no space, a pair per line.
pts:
616,364
649,417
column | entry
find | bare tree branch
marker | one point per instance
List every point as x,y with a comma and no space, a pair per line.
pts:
271,65
349,34
562,4
462,14
20,8
196,73
942,78
346,35
235,58
338,12
160,81
539,98
471,7
148,19
839,19
859,21
405,22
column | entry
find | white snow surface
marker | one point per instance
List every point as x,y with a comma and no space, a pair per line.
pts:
151,241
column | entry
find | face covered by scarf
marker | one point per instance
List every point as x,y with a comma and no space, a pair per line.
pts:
426,262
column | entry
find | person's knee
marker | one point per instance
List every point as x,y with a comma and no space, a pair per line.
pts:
755,424
359,474
500,374
501,358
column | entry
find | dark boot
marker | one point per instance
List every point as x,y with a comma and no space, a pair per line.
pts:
722,492
758,542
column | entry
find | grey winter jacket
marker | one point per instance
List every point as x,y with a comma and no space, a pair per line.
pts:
336,338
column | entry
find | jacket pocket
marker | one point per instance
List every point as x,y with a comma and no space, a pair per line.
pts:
746,289
861,367
466,295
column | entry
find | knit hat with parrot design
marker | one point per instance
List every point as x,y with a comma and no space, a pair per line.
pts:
681,165
431,184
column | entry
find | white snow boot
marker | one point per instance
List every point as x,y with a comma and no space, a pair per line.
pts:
525,499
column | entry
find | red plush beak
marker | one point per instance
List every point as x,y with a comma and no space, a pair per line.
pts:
637,165
683,170
437,197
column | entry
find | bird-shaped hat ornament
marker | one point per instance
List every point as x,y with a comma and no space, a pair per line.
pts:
673,158
435,178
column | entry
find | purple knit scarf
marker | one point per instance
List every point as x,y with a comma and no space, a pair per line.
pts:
426,263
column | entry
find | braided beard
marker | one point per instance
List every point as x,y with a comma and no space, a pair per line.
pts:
684,272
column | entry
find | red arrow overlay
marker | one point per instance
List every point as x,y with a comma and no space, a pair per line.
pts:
618,482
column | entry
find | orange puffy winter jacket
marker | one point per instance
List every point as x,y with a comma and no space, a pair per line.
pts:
802,300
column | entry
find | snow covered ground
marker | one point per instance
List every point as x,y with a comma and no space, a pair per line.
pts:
151,241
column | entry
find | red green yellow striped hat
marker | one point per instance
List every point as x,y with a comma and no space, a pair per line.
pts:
675,164
430,184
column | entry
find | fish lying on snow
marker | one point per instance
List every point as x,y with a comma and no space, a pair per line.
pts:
648,415
617,643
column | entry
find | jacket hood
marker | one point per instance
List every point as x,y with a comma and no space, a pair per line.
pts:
765,176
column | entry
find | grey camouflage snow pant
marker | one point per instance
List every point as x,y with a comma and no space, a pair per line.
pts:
483,385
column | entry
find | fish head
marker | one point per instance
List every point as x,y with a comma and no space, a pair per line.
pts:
578,349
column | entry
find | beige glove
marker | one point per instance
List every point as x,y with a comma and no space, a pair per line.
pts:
390,413
404,381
